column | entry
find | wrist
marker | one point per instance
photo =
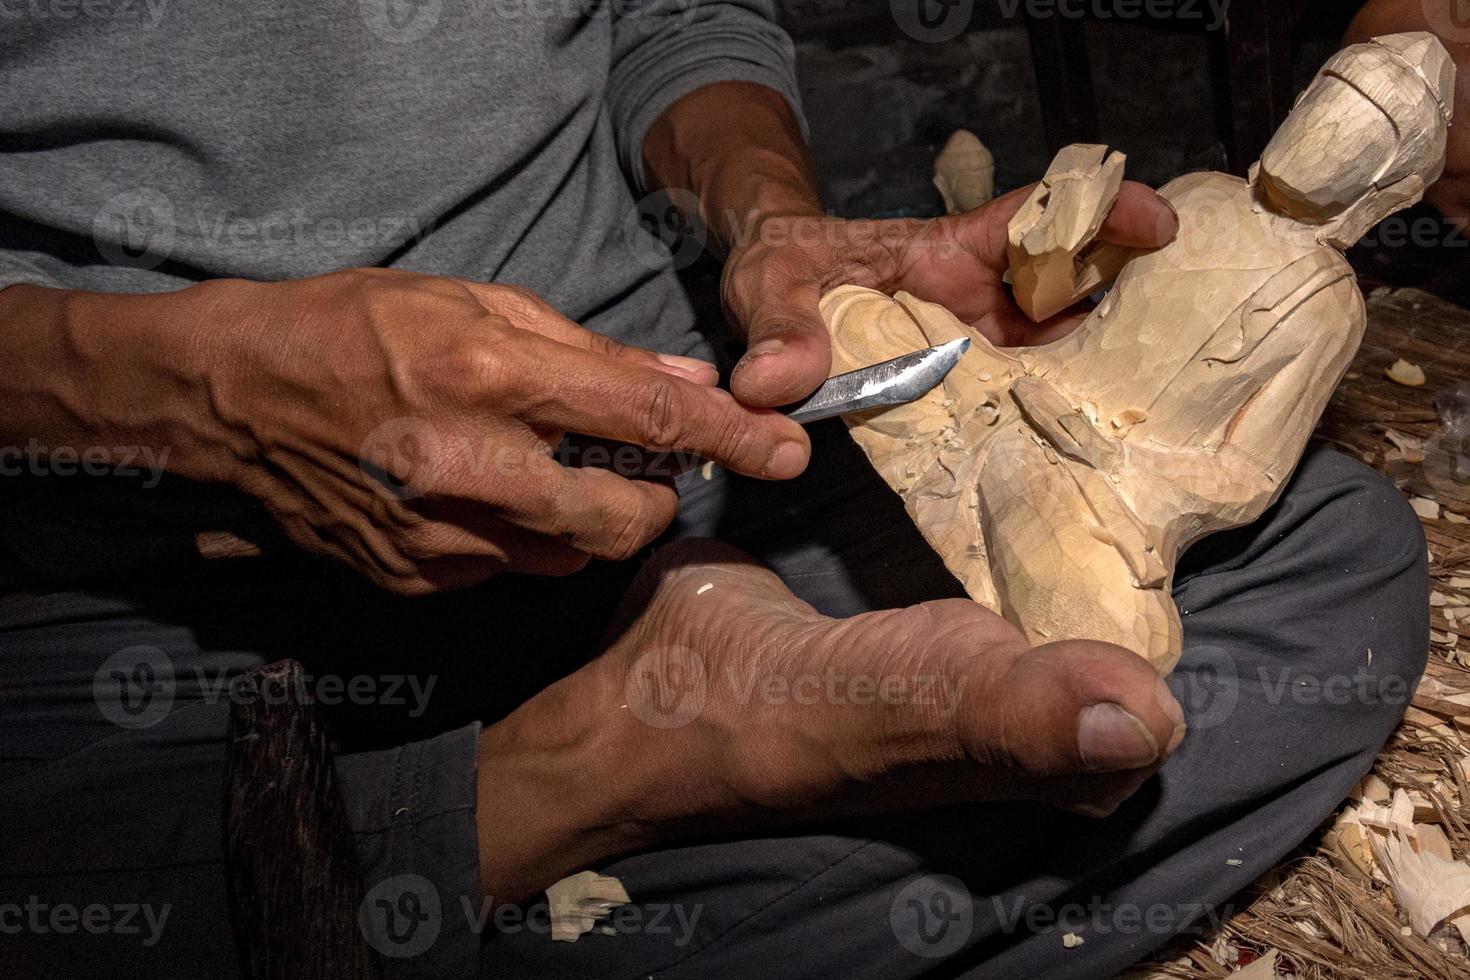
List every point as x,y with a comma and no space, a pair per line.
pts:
138,371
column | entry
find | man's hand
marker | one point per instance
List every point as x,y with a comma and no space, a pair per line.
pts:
405,424
774,278
737,148
732,704
401,423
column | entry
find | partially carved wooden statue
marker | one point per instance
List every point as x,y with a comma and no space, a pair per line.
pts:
1060,483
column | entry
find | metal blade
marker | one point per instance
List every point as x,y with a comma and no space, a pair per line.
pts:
894,382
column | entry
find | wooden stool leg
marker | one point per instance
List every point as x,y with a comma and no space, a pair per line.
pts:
294,882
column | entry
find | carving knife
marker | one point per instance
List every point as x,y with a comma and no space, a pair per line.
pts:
896,382
903,379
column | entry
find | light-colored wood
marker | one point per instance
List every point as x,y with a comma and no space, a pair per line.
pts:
964,172
1060,483
1058,224
579,902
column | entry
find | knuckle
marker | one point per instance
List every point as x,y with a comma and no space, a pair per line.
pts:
630,529
476,364
661,413
516,301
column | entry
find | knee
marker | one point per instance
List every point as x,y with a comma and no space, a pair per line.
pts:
1360,521
1379,549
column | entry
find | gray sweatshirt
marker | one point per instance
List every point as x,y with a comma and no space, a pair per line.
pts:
146,144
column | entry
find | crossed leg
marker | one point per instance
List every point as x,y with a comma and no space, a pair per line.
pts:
1286,710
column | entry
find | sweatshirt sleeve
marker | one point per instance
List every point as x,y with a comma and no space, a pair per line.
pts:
665,49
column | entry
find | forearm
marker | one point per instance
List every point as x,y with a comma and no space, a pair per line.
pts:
738,148
99,376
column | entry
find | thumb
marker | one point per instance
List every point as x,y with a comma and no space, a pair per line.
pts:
790,351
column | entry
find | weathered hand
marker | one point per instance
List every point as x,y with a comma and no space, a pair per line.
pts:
776,274
405,425
729,703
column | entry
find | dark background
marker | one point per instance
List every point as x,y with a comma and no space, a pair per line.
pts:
880,105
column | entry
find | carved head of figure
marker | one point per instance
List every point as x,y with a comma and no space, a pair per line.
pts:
1365,138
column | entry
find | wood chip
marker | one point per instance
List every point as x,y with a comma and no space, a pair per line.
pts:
1071,940
1262,967
1428,510
1429,889
1405,373
580,902
1411,448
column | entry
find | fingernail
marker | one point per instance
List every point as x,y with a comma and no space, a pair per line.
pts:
788,460
1110,739
772,346
689,365
1170,706
1175,231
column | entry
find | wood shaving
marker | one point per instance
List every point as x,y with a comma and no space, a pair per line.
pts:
580,902
1405,373
1428,510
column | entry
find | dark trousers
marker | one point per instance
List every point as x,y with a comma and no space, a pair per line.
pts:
1304,636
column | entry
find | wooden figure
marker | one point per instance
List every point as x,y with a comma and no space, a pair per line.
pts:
1060,483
